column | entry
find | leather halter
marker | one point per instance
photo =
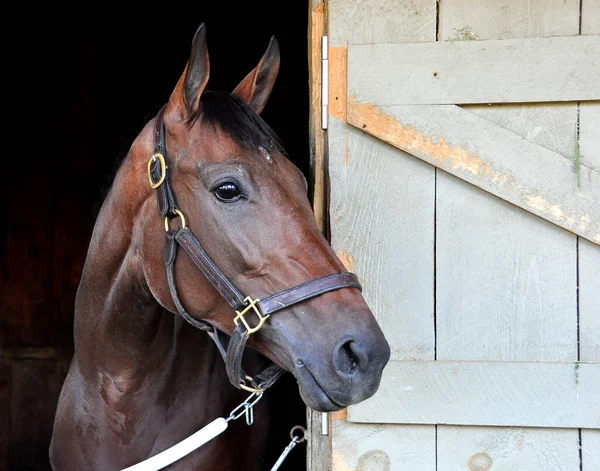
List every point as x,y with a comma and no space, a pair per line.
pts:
158,176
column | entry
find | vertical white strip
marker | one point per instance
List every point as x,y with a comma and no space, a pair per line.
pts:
324,423
324,82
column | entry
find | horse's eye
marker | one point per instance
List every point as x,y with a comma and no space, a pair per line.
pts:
227,192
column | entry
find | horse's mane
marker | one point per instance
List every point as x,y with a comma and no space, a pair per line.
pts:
233,116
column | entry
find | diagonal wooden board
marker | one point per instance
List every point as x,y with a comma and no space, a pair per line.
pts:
488,156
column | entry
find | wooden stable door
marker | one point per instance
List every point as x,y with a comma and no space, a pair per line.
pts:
462,162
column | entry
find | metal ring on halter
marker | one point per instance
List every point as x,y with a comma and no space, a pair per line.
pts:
181,216
163,170
248,388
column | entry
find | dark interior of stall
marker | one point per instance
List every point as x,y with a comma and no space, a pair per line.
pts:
81,84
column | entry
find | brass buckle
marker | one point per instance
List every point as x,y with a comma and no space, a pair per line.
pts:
240,316
163,170
181,216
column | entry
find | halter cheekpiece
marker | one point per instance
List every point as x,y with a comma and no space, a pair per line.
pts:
244,306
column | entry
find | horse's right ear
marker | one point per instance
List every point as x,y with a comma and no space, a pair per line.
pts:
185,99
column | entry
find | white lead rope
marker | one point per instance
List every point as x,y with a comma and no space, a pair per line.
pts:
195,441
185,447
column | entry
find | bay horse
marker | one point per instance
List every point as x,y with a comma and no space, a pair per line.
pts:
144,375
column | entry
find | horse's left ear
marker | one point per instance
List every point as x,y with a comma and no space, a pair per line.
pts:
185,99
256,88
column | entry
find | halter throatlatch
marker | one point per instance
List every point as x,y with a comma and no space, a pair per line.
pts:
245,306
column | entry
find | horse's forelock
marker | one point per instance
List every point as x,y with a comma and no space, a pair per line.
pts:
238,120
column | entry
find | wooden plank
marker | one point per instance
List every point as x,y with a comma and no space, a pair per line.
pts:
551,125
491,158
507,19
589,301
338,75
460,72
485,393
318,445
589,137
318,449
511,449
364,447
373,175
505,281
590,17
381,21
590,450
316,134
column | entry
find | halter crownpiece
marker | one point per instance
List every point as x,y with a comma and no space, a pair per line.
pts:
244,306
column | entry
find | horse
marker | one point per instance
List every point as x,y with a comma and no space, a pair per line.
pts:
208,176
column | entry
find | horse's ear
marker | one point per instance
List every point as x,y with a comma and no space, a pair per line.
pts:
256,88
186,96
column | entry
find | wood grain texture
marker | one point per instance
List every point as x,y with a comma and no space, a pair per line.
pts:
552,126
491,158
316,134
590,450
505,281
485,393
589,301
460,72
364,447
589,137
381,21
338,76
590,17
318,446
318,449
510,449
507,19
401,188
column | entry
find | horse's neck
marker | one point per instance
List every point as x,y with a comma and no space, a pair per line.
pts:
120,329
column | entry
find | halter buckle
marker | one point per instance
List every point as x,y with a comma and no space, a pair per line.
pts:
163,170
178,214
251,306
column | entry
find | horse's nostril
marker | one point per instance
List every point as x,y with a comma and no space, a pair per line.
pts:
348,358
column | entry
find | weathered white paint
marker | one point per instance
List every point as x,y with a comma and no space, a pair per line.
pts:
552,126
508,19
589,138
381,21
590,450
505,280
495,393
382,447
382,201
401,188
489,157
507,448
495,71
589,301
590,17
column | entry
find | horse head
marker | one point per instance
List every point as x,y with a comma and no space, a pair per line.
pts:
247,205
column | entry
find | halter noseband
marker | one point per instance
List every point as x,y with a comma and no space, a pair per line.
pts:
158,177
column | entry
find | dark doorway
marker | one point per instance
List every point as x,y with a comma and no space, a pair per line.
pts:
88,81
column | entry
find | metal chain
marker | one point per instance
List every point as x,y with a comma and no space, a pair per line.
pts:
246,408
